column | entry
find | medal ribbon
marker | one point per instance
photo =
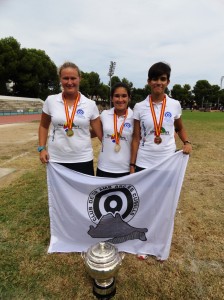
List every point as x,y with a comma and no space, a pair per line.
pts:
156,125
118,134
68,119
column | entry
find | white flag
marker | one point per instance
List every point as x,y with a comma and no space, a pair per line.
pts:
135,212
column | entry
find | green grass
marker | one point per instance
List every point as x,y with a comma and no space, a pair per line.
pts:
203,116
204,121
194,269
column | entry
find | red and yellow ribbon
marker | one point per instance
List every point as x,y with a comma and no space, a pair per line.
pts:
68,118
157,125
116,132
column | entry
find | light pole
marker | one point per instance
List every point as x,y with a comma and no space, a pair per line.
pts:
111,73
221,82
222,77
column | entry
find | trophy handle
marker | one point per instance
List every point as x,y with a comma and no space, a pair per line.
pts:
122,254
83,254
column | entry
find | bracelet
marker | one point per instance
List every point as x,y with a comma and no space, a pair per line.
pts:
187,142
40,148
132,165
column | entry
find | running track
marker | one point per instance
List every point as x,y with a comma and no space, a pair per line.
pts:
19,119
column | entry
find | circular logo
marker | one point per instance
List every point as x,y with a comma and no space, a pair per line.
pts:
122,199
168,114
128,125
80,112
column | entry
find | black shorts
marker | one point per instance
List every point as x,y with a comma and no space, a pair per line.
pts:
138,169
101,173
82,167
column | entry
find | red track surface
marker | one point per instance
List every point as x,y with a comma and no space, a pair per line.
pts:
19,119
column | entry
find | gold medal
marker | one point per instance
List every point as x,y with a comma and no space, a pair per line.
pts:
117,148
157,140
70,132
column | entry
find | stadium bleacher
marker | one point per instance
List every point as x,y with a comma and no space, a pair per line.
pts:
20,105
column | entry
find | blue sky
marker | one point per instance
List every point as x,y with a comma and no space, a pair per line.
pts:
188,34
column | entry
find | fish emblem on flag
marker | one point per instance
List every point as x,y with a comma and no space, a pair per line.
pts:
110,208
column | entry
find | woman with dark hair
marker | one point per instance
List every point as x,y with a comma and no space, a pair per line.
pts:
117,125
155,121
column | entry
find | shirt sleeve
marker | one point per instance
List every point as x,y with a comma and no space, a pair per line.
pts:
95,112
136,112
102,115
46,106
179,111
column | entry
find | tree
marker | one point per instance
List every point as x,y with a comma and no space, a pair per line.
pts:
31,71
33,74
9,57
84,84
221,99
183,94
214,96
138,95
90,86
128,83
93,86
36,76
114,80
94,83
202,91
104,91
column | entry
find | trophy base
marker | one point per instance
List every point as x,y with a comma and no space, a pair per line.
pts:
104,292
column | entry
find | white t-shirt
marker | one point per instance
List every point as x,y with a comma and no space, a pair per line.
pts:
149,153
77,148
109,160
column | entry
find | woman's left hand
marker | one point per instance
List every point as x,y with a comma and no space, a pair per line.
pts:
187,148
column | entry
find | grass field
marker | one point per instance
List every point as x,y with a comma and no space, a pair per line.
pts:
195,268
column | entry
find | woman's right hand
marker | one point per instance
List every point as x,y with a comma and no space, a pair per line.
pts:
44,156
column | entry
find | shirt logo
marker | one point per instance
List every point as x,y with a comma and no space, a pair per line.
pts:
80,114
168,117
127,125
168,114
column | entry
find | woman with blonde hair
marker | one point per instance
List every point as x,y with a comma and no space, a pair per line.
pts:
71,115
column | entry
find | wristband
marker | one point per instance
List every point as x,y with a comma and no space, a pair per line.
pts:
132,165
187,142
40,148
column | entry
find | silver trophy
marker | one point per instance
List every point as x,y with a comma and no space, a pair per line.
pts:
102,262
